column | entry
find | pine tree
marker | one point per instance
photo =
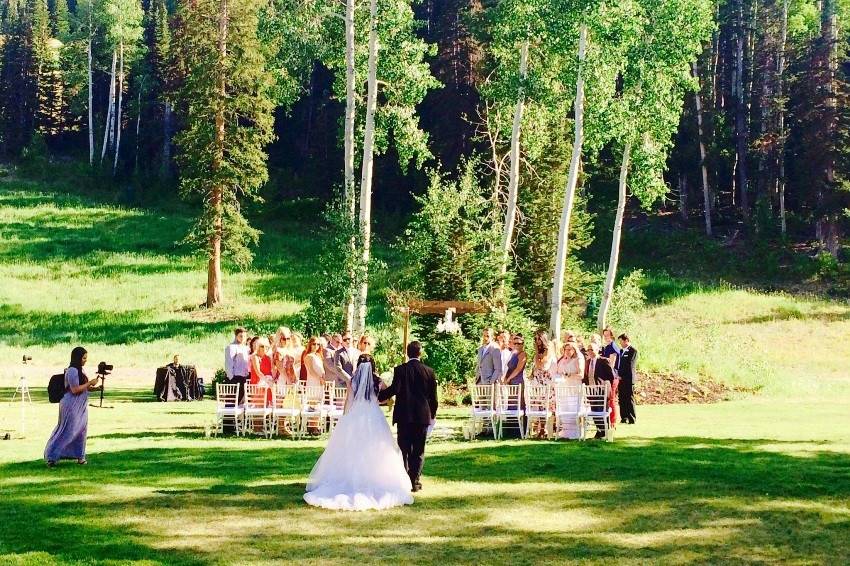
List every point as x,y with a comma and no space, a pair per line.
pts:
228,122
18,81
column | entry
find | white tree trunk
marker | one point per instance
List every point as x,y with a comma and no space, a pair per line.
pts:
569,195
107,132
780,151
118,113
368,162
706,193
91,112
350,94
513,179
608,290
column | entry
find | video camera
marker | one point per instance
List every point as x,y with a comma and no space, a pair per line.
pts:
104,368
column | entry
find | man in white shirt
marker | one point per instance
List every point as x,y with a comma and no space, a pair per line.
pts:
236,359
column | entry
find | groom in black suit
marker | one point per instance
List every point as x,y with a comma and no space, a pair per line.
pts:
415,386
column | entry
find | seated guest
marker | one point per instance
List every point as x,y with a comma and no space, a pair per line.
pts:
489,367
628,371
570,367
598,371
611,350
516,363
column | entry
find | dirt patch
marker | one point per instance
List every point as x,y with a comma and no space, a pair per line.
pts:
671,388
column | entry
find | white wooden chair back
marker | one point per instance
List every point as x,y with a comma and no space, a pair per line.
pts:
483,398
568,399
508,399
537,399
226,395
255,396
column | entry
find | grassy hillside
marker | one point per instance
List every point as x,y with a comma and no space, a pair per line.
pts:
75,269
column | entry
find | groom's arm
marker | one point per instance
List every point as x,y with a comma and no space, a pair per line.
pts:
432,394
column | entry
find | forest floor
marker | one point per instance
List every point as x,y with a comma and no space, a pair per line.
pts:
760,477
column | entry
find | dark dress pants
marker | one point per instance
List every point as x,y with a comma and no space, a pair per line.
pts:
411,442
627,400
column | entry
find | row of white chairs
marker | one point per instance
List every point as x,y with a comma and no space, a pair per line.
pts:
560,409
295,409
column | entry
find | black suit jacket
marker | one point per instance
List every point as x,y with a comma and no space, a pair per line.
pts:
628,363
415,388
602,371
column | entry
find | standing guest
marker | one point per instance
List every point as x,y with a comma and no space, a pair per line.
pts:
628,371
611,349
598,371
236,360
570,367
345,360
68,440
507,352
336,341
283,367
260,363
516,363
543,373
489,359
596,340
296,351
313,362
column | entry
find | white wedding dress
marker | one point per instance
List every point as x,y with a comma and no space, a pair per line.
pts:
361,467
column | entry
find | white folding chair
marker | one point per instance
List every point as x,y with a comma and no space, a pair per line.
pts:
483,411
227,409
508,409
312,408
597,411
537,407
258,410
286,409
569,411
337,408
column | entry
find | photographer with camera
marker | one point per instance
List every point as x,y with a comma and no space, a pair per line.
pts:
68,440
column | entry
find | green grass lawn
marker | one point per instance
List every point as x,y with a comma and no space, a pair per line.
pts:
761,478
745,481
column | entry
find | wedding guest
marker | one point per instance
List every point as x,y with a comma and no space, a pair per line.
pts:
297,349
505,343
68,440
542,373
252,345
236,360
283,367
596,340
260,364
628,371
570,367
611,349
598,371
345,360
489,367
516,363
313,362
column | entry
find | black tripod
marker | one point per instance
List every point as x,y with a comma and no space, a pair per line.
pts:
102,386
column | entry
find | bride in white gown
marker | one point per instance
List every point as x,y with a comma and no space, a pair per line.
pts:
361,467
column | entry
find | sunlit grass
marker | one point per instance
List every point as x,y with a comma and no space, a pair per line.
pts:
157,492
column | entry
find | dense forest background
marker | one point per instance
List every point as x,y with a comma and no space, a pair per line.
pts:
113,91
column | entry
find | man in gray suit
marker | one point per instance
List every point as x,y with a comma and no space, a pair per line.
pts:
490,368
345,360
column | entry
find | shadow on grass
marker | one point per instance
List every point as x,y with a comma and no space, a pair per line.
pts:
781,314
669,499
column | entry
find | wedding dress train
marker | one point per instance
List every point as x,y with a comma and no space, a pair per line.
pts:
361,467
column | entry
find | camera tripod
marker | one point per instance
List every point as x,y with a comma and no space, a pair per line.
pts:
102,386
22,394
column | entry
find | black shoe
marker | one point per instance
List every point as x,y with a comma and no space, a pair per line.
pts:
416,487
624,421
600,434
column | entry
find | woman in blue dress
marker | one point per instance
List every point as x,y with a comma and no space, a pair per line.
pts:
68,440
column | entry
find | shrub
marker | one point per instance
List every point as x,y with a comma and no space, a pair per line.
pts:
452,356
628,299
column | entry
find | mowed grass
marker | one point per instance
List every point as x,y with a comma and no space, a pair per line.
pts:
738,482
75,270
